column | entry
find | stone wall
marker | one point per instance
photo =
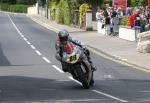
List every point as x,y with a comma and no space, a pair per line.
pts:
144,42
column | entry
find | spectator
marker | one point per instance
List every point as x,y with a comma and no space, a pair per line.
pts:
143,20
113,22
137,18
98,15
107,16
132,18
147,14
129,11
120,14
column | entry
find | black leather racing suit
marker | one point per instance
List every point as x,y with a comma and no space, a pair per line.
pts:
60,49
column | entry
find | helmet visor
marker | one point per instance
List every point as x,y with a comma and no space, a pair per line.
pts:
64,40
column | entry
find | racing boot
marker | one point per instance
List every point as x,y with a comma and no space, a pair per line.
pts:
93,67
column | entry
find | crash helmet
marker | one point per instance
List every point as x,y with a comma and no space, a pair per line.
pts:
63,36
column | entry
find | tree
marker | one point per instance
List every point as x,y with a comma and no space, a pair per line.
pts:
26,2
9,1
138,2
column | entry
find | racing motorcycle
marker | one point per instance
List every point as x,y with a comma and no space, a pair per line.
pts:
79,69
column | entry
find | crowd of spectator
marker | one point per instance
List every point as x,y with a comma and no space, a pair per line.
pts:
111,17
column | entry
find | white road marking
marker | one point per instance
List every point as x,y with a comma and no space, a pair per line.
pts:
108,76
63,80
14,25
46,60
144,91
124,59
79,100
20,33
25,38
32,47
28,42
47,89
58,69
70,77
22,36
38,52
110,96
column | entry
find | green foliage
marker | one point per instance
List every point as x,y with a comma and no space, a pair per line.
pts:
14,8
26,2
67,15
108,2
60,15
9,1
18,8
52,5
83,9
4,7
135,3
64,15
125,21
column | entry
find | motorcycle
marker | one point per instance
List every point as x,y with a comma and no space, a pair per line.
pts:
77,66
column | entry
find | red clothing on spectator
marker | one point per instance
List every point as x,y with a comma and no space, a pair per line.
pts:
131,20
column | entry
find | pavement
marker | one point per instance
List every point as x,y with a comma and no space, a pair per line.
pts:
110,46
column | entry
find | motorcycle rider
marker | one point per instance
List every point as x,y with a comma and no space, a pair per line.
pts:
63,38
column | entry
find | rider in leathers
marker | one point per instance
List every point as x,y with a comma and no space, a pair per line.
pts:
63,38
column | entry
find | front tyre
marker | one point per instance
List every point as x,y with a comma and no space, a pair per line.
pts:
83,78
92,80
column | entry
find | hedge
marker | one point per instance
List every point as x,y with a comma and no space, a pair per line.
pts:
64,12
19,8
53,6
135,3
24,2
125,21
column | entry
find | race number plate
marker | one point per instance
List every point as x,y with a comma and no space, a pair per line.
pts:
72,58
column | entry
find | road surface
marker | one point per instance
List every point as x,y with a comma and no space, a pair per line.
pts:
29,72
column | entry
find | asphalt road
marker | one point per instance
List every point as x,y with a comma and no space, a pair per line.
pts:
29,72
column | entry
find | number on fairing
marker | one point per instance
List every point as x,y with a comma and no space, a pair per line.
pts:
73,58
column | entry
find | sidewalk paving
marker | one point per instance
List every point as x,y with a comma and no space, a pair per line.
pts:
114,46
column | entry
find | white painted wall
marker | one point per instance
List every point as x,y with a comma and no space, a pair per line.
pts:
89,23
127,33
94,25
32,10
100,29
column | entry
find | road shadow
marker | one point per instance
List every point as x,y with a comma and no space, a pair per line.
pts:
20,89
133,90
3,59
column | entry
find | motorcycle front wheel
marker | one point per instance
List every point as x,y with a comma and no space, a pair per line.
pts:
83,78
